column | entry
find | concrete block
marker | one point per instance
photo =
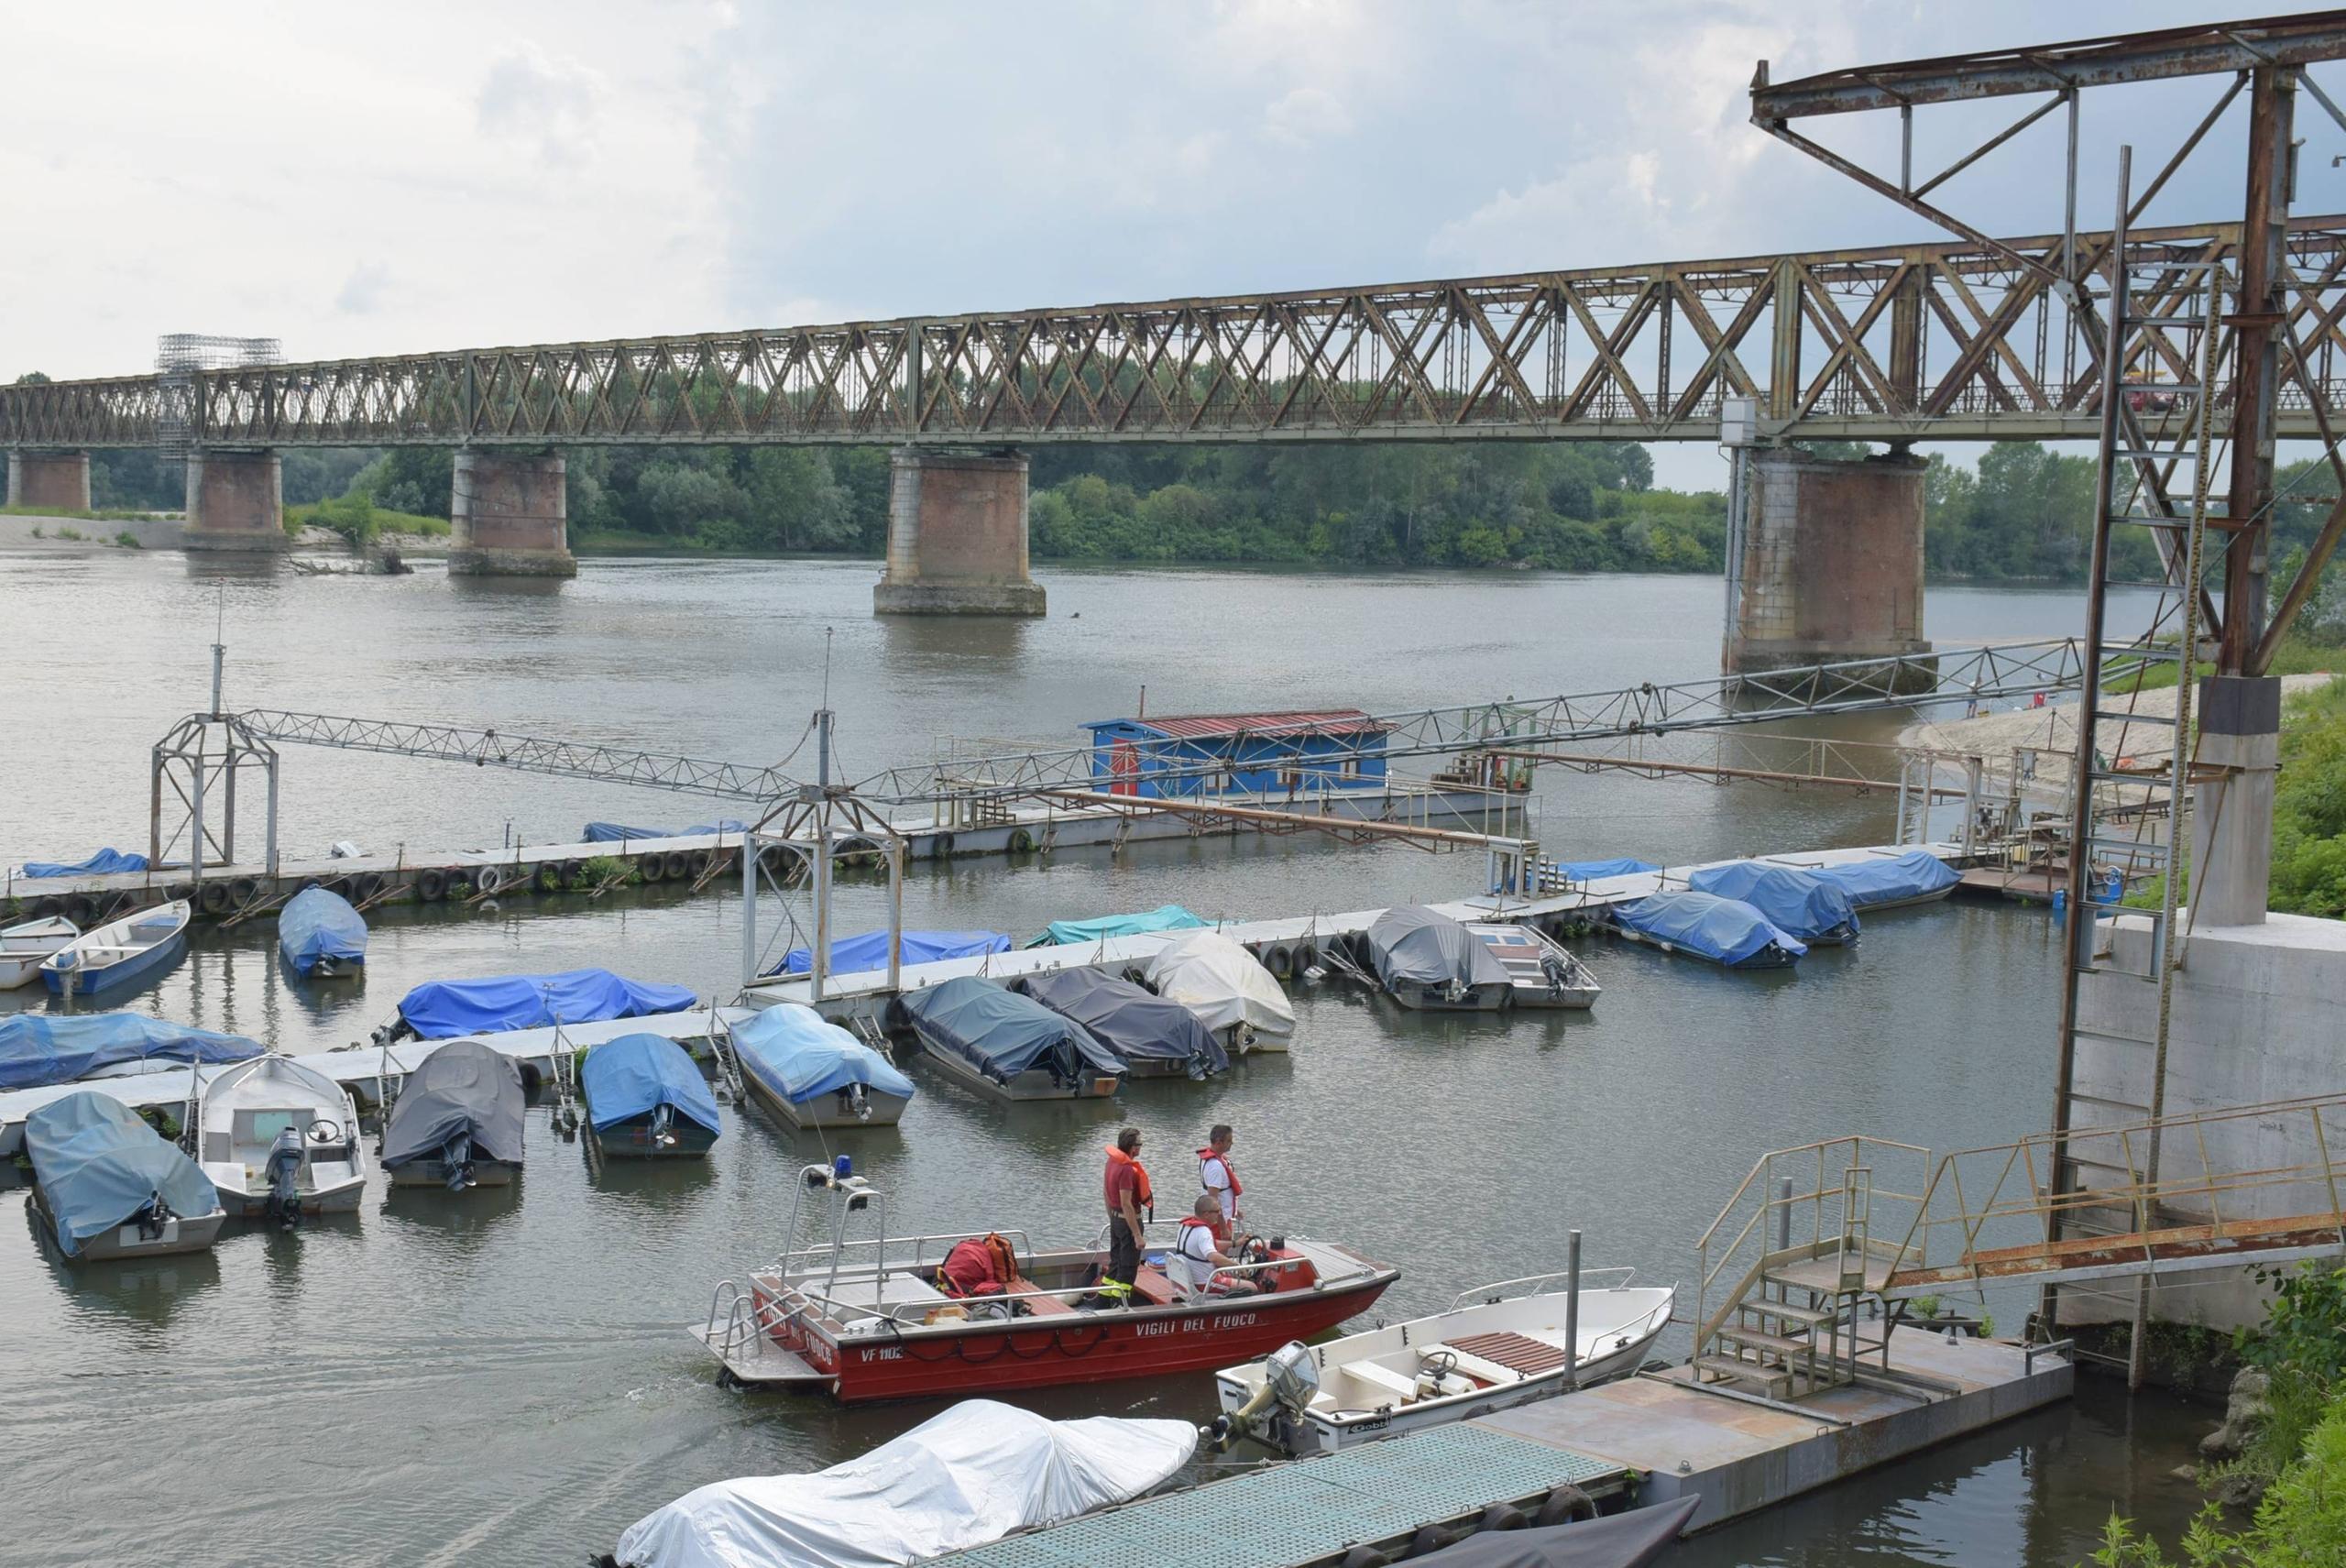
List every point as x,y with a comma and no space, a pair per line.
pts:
1832,562
957,536
235,503
50,480
509,516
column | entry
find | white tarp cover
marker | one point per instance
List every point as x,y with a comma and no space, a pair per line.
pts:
1222,982
970,1475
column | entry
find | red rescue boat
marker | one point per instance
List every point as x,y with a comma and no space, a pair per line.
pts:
866,1320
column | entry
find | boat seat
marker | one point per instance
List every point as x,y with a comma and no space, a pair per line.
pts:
1403,1389
1490,1373
1151,1286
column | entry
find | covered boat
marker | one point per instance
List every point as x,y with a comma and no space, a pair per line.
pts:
1425,960
280,1138
39,1048
1165,917
1498,1345
1152,1035
458,1122
645,1097
443,1009
973,1474
111,1187
1593,870
322,934
1632,1539
812,1073
886,1317
1227,987
1543,971
1801,902
24,945
868,950
1884,881
1722,930
1007,1046
105,863
122,955
621,833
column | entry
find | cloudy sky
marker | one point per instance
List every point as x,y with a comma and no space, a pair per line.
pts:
358,180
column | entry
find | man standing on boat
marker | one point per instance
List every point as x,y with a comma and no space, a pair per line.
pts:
1128,1193
1220,1177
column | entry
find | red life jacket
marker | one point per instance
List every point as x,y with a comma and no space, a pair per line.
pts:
983,1266
1143,1196
1227,1169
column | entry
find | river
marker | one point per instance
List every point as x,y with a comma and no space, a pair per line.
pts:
501,1377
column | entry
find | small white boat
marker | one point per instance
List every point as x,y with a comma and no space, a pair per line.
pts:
22,948
107,1186
242,1113
1545,973
1491,1351
133,948
1227,987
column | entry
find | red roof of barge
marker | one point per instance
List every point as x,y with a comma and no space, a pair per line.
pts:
1218,726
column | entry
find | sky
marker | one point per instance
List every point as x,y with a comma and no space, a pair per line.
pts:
356,179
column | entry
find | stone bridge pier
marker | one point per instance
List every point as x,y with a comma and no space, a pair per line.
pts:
1825,562
957,536
235,501
57,481
510,515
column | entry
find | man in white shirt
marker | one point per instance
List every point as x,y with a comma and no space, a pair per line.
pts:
1220,1177
1189,1266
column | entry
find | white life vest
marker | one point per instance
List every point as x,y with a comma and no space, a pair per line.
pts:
1190,1264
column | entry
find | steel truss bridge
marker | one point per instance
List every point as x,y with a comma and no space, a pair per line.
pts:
1858,685
1949,341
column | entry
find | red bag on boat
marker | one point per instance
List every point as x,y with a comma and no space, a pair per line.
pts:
983,1266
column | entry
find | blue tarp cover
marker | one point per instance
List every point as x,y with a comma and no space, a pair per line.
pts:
99,1164
315,924
1723,929
103,860
39,1048
804,1057
615,832
1891,879
442,1008
868,950
1003,1034
1168,917
636,1074
1791,899
1130,1020
1589,870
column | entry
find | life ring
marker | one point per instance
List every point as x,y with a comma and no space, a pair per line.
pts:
1021,841
1280,961
79,908
698,861
243,889
548,876
489,880
431,886
213,899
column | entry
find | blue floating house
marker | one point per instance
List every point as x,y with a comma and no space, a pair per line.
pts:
1238,753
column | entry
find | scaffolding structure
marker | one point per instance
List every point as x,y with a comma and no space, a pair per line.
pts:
180,359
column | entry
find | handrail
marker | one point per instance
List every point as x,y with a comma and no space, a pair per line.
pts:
1479,1297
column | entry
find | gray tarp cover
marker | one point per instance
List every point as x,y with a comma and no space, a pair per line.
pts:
462,1087
1621,1541
1414,945
1131,1021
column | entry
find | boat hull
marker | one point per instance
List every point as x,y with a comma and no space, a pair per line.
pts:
826,1111
1769,957
120,976
1050,1351
1572,997
246,1203
435,1173
1485,998
123,1242
327,966
632,1139
1021,1089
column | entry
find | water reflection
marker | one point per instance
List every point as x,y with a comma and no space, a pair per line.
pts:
235,565
461,1223
132,1300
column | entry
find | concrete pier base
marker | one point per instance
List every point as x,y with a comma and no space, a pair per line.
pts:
510,515
57,481
235,503
957,536
1830,566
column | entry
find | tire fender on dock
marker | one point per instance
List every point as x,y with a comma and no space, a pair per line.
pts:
698,862
430,885
213,898
1280,961
548,878
489,880
242,889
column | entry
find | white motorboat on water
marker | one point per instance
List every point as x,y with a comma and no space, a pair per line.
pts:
1498,1345
109,1187
114,957
280,1138
1545,973
23,946
1227,987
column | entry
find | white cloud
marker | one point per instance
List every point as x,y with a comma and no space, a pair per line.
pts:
1306,115
532,98
364,290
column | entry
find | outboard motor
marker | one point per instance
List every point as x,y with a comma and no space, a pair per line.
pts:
153,1218
662,1119
458,1156
860,1099
284,1167
1290,1380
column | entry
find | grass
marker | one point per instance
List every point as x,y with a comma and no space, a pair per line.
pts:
2296,656
630,541
359,521
81,516
128,541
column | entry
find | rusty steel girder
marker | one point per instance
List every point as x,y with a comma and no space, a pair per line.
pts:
1948,341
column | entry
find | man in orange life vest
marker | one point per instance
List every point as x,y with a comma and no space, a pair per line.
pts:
1191,1266
1128,1193
1219,1179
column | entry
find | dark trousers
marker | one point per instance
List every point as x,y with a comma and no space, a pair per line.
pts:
1124,1251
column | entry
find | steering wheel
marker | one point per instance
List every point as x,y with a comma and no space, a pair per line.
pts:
326,1131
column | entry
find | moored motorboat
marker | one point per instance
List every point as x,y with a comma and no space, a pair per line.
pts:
37,1049
812,1073
1426,960
322,934
120,955
1797,902
1227,987
867,1320
111,1187
1068,933
1542,971
457,1120
1497,1346
1891,882
646,1099
1153,1036
868,950
1727,931
973,1475
280,1138
446,1009
24,945
1005,1046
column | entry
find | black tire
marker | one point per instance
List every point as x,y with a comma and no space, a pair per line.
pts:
339,887
46,908
179,893
773,859
548,877
431,886
1500,1515
942,849
1565,1503
698,862
79,908
459,885
213,899
1021,841
1305,956
573,873
1280,961
367,886
242,889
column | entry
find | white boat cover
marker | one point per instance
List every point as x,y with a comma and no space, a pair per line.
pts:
970,1475
1222,982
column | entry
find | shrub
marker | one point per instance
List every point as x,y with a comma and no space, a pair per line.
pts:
128,540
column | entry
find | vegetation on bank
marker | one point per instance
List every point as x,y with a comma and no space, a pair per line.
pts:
77,516
357,519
